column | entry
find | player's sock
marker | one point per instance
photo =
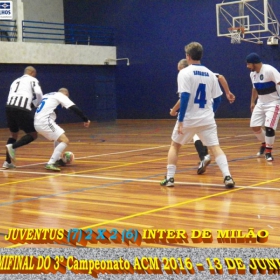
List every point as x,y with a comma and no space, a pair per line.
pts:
57,152
260,135
222,162
201,150
24,140
171,169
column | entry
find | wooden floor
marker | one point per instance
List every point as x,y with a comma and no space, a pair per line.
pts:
114,183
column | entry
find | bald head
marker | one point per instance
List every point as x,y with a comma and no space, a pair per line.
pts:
30,70
64,91
182,64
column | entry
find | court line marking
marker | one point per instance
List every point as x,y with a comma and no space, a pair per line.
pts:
127,180
176,205
164,208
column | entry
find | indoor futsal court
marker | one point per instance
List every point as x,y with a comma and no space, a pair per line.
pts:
114,183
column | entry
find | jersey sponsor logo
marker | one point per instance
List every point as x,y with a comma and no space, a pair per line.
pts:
200,73
6,10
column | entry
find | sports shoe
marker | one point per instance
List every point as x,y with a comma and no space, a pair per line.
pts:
11,153
229,183
60,162
269,157
52,167
167,182
261,152
7,165
203,164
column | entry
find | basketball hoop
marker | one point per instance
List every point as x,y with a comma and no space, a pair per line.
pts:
236,33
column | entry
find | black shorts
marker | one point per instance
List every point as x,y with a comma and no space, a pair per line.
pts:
18,119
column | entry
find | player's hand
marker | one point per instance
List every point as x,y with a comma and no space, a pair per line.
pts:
252,107
180,128
230,97
86,124
173,113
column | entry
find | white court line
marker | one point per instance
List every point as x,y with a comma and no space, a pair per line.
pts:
132,179
101,155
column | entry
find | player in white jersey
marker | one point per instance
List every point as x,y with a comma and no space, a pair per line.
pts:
266,80
25,92
44,122
202,150
198,86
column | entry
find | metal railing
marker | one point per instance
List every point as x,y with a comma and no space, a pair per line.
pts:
79,34
8,30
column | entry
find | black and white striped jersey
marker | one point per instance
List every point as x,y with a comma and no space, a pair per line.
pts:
23,92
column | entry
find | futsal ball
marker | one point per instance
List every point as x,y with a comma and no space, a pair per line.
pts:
68,157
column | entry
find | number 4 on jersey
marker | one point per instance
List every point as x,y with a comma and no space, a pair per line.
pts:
200,96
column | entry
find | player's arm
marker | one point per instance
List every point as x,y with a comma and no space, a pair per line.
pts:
175,108
185,96
216,103
79,112
230,96
254,97
37,93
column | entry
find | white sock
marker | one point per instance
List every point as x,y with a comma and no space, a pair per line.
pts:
171,169
57,152
222,162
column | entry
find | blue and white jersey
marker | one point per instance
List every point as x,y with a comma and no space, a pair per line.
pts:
49,103
265,82
203,86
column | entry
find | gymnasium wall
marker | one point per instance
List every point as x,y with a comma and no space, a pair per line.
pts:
152,34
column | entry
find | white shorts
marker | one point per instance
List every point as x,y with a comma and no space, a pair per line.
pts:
207,134
49,130
265,114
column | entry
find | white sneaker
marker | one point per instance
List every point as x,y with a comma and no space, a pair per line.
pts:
11,152
203,164
7,165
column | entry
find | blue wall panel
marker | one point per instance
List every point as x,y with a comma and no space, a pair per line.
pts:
81,81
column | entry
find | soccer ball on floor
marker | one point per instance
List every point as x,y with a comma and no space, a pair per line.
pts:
68,157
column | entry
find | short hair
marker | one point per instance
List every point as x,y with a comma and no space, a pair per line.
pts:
183,63
194,50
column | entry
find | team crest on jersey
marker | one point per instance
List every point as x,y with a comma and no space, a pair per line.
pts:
261,77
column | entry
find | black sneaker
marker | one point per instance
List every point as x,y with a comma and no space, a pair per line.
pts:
167,183
203,164
269,157
261,152
60,162
229,183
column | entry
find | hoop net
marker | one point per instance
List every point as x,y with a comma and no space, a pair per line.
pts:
235,34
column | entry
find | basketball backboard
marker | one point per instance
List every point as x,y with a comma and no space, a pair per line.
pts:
256,17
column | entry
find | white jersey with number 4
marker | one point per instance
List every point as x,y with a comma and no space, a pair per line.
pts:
23,92
49,103
203,86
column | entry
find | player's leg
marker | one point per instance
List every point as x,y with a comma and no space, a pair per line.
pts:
177,141
256,123
59,162
58,150
202,151
25,121
11,117
209,136
271,121
200,148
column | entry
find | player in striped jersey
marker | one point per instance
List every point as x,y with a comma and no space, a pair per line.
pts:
25,92
266,112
